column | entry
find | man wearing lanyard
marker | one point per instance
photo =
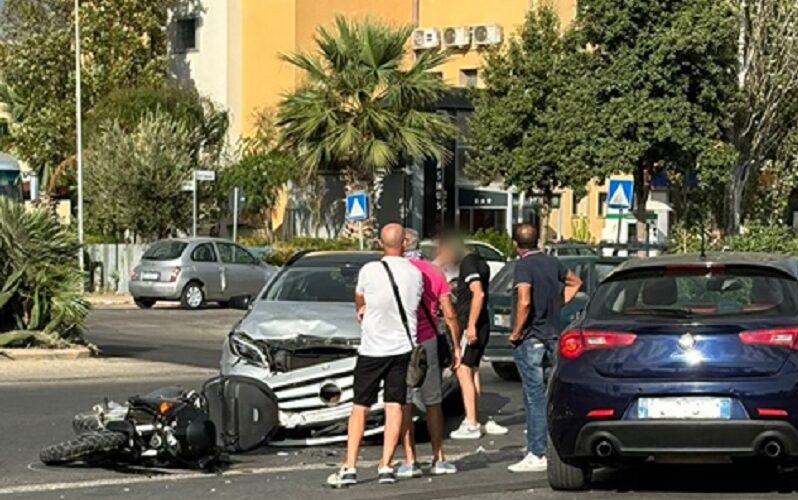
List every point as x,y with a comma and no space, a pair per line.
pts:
541,285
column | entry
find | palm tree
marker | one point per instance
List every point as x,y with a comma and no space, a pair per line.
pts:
363,107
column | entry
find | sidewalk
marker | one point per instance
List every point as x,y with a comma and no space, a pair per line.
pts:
110,300
92,370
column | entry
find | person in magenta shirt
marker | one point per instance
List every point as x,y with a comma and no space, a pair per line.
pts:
435,296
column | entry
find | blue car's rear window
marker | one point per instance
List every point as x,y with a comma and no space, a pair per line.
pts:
698,293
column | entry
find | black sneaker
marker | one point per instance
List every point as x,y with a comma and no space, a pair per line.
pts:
343,478
386,475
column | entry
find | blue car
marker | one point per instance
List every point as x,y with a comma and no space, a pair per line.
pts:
678,358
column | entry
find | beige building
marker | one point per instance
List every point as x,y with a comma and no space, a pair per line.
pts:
230,50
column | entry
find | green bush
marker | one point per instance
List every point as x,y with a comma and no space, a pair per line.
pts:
775,239
499,239
282,250
41,296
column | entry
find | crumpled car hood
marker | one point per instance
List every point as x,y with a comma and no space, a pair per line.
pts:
272,320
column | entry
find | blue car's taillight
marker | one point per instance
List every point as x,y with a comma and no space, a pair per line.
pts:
574,342
776,337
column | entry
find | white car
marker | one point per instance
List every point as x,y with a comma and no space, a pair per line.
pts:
492,255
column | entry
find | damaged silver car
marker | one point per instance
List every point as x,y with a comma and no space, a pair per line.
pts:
300,338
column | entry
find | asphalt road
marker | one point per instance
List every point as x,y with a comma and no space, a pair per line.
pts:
170,334
34,415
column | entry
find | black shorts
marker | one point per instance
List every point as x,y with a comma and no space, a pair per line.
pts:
388,372
474,352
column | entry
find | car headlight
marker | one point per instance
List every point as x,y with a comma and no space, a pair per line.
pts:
246,348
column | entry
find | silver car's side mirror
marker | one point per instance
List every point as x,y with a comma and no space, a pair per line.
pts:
241,302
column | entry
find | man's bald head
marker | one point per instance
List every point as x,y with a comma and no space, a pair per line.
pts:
392,237
525,236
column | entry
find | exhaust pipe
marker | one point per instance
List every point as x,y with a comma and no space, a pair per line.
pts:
772,449
604,449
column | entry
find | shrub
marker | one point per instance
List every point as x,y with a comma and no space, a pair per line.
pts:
755,238
499,239
41,297
282,250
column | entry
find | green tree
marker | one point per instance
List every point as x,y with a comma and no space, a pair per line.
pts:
767,55
129,106
649,90
122,45
511,136
360,110
262,170
133,178
41,294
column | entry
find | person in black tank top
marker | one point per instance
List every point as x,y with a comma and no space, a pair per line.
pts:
472,311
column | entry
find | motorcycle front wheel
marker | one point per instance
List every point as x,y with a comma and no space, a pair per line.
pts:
85,446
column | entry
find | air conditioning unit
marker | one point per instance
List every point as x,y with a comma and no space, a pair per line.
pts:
487,34
425,39
456,37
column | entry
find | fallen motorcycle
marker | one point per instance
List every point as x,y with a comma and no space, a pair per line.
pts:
167,427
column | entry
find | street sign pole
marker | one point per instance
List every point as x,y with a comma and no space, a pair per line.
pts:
620,221
194,203
235,214
357,210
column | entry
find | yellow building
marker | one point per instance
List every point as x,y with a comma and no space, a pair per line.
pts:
230,50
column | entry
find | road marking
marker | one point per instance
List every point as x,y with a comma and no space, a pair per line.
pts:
187,476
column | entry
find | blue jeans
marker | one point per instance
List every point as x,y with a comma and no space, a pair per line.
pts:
529,360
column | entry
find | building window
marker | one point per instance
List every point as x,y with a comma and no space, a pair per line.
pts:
186,36
468,78
602,204
574,203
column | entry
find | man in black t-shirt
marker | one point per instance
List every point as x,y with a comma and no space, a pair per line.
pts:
472,312
541,285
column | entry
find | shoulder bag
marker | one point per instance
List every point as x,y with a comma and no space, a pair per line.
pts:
417,367
444,348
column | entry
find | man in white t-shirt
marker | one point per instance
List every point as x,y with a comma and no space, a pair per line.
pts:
384,351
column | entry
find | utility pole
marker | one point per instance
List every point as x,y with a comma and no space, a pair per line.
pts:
236,195
194,204
79,134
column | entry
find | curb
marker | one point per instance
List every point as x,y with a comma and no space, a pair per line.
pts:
35,354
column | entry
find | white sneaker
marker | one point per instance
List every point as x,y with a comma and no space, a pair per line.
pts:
530,463
494,429
408,471
343,478
442,467
467,431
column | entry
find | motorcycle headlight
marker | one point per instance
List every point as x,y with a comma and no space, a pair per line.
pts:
246,348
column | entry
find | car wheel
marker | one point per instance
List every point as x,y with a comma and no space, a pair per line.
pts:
506,371
192,297
144,303
563,476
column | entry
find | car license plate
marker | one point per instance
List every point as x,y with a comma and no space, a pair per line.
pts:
684,408
501,320
150,276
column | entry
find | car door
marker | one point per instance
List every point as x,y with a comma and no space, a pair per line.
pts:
229,272
207,269
253,274
242,274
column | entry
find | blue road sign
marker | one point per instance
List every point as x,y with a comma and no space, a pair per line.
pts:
357,207
620,194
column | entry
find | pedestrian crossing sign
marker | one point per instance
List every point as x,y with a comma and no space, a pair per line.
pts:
357,207
620,194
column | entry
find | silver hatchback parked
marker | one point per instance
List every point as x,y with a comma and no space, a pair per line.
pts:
195,271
